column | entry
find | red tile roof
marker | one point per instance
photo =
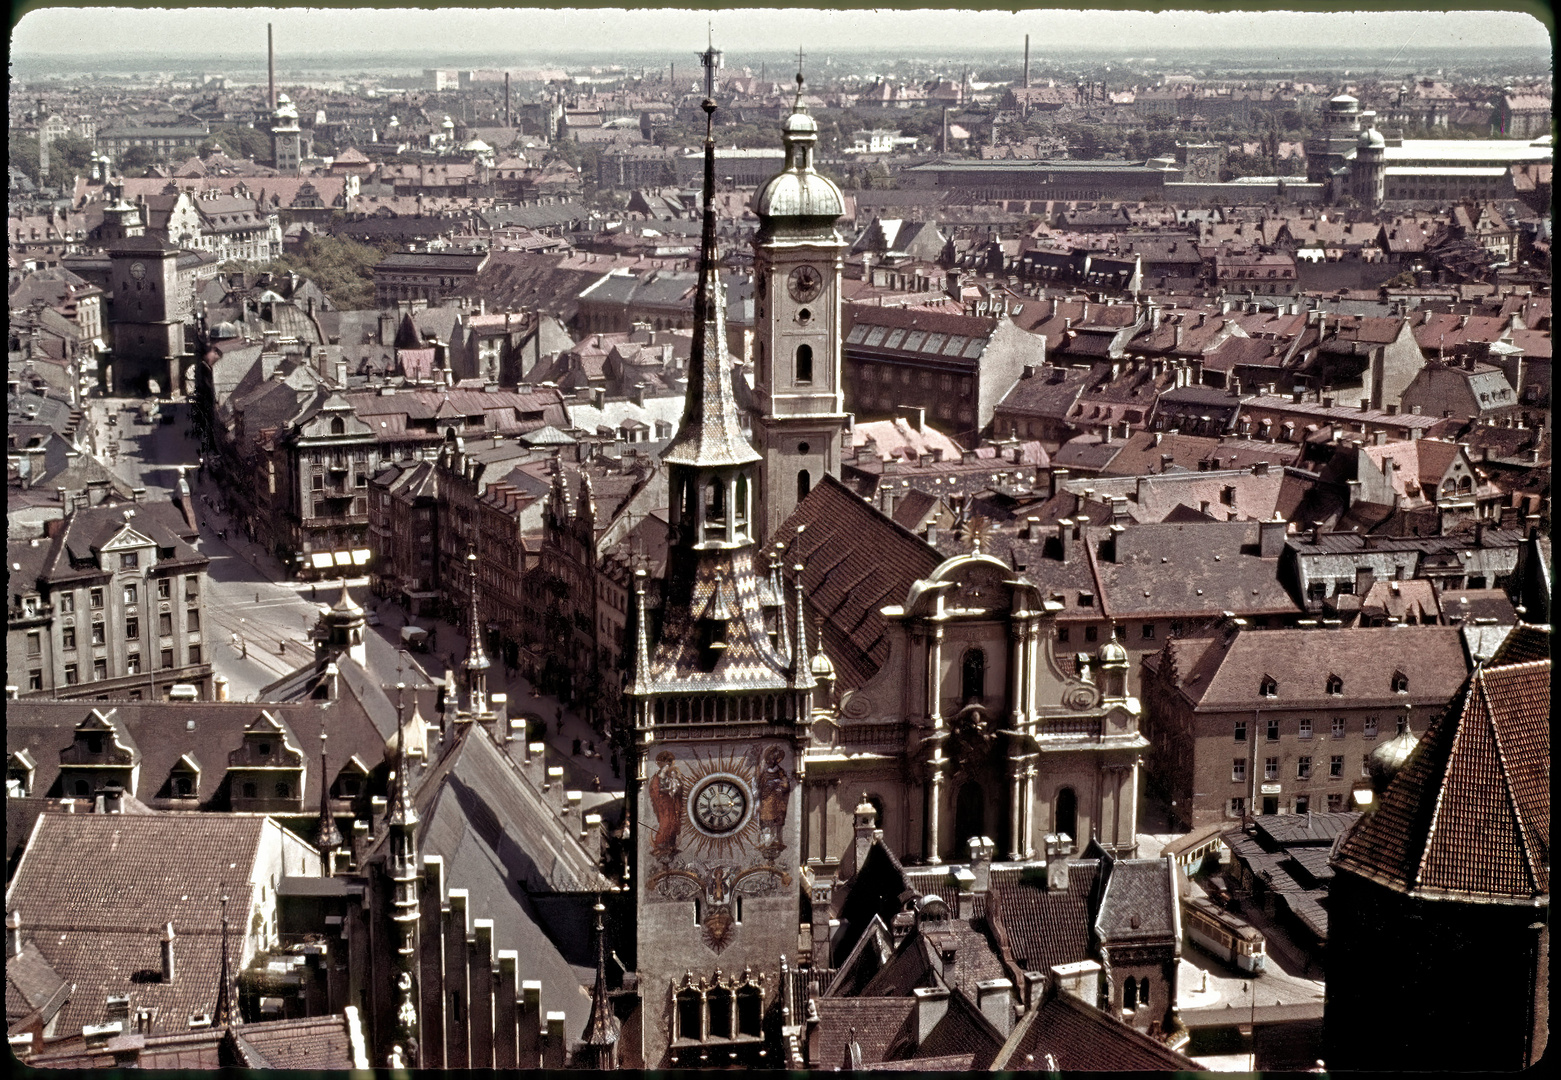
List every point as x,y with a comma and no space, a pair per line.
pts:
1468,816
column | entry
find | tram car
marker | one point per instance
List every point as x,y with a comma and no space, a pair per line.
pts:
1224,934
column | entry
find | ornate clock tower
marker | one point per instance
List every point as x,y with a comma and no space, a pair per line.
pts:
719,702
797,263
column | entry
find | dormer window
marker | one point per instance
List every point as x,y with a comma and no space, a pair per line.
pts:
1268,687
1400,683
130,560
1335,686
264,749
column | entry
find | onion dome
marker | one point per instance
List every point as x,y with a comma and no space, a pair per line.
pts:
1111,652
1387,759
799,191
822,667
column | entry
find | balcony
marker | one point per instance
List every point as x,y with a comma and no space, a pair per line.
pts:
1069,728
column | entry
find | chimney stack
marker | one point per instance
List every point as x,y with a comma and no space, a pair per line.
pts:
270,70
13,935
1027,61
168,968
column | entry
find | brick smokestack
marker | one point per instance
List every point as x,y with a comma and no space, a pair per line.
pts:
506,101
1027,61
270,70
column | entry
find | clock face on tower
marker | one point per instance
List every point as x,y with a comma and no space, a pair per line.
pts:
138,270
804,284
720,805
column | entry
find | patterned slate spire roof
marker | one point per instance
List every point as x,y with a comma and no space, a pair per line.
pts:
711,434
327,836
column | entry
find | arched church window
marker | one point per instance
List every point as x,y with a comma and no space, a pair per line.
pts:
972,681
749,1011
1130,994
719,1005
804,484
804,363
338,427
1067,820
715,501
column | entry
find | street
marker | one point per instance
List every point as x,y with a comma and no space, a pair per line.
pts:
260,621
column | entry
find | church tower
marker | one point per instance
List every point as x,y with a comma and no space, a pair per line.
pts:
797,264
286,136
719,700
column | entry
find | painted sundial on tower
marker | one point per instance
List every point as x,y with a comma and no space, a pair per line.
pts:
805,284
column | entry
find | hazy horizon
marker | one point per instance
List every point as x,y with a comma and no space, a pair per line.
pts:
217,36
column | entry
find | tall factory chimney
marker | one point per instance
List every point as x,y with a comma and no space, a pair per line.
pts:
1027,61
270,71
506,101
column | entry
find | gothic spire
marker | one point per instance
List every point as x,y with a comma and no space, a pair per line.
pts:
402,812
326,837
476,660
601,1031
711,434
222,1013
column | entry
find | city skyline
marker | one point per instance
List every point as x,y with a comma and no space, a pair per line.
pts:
315,32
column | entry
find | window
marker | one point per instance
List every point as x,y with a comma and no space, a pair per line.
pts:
132,628
1306,729
804,484
1365,764
133,664
129,560
100,668
1317,590
1062,633
1120,632
1148,631
319,482
164,588
1238,807
131,595
95,598
1238,770
1303,768
1268,688
192,587
249,791
165,623
284,790
1336,766
1241,730
1400,683
1273,731
1303,804
192,619
34,643
1086,599
973,676
1403,725
1335,802
804,363
98,635
67,637
35,679
1338,727
70,675
1091,633
1370,730
166,659
195,654
67,602
1335,685
1271,768
182,787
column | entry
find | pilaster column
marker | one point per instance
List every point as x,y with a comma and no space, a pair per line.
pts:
934,803
935,763
1029,809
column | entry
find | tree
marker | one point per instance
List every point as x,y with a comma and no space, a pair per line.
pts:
134,161
69,156
23,155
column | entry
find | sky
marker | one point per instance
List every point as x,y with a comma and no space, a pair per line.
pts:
216,34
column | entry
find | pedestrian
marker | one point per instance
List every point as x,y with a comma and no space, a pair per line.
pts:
596,782
314,591
257,598
244,649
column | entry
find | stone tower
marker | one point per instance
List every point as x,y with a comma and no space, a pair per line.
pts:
797,265
718,702
286,136
1368,172
144,316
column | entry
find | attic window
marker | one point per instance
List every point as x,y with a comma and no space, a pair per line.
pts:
1086,599
1268,687
1335,685
1400,683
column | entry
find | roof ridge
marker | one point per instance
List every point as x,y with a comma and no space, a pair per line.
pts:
1507,782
